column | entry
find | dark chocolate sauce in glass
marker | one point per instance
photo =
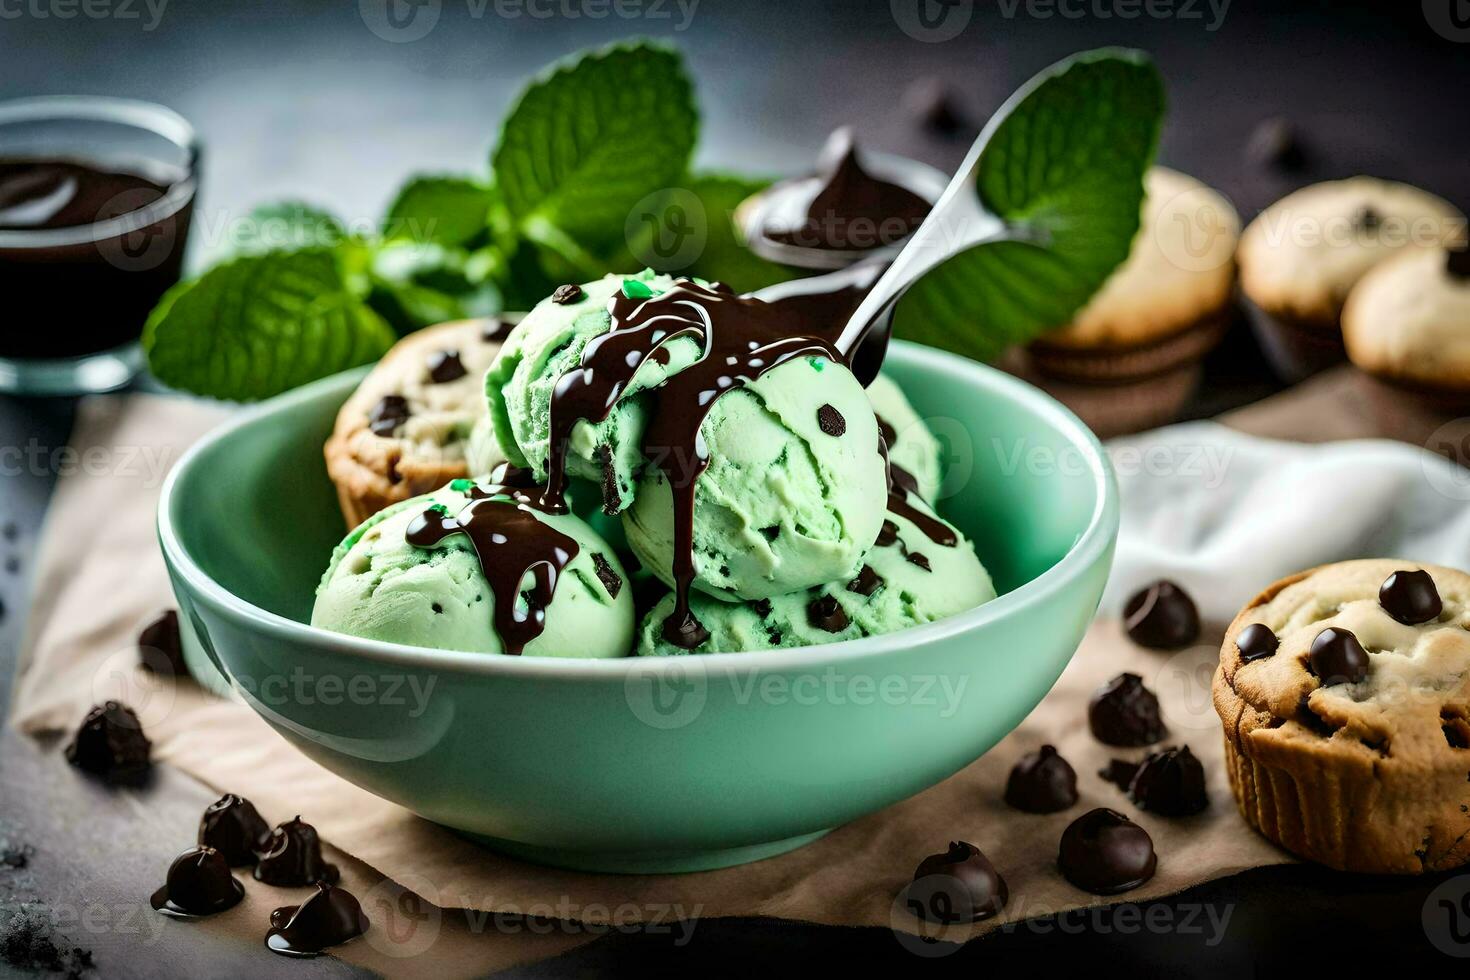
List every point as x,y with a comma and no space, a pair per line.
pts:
79,294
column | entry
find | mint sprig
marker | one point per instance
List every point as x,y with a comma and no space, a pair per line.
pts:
440,209
588,140
1063,168
262,324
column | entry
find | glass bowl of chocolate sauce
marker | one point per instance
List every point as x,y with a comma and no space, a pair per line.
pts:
96,196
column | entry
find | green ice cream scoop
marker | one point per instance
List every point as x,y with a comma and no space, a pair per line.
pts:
793,494
547,344
564,591
911,445
907,579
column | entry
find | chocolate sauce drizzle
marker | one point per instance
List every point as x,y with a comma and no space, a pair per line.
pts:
902,484
740,339
510,542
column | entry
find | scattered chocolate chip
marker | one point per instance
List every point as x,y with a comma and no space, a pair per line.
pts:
1256,642
17,856
330,917
160,648
1338,658
831,421
494,329
1119,772
1457,263
1171,783
919,559
110,743
568,294
959,885
771,533
761,607
444,366
1275,143
866,583
1124,712
1042,782
610,579
1410,597
292,856
232,826
826,613
388,414
199,883
611,499
1105,853
1367,218
887,535
1161,616
931,102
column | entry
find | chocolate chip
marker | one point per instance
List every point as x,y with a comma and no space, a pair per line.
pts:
826,613
232,826
866,583
1367,218
919,559
761,607
292,856
1275,143
931,102
199,883
831,421
494,329
388,414
1256,642
330,917
603,456
958,885
1124,712
771,533
1410,597
445,365
609,578
1105,853
1171,783
887,535
1457,263
1338,658
110,743
160,649
1161,616
1119,772
568,294
1042,782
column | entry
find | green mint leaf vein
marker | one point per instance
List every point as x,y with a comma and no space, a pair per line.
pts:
262,324
1063,169
589,140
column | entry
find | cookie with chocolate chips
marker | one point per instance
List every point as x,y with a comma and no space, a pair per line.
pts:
418,420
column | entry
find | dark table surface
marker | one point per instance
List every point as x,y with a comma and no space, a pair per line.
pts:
302,99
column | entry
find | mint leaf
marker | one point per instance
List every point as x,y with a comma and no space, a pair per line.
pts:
725,257
586,142
262,324
416,285
280,225
444,210
1063,169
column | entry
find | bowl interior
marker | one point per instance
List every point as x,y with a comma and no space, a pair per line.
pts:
256,512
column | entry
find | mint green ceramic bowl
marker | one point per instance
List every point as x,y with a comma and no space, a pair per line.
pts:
649,764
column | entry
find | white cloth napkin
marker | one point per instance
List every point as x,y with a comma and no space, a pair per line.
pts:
1226,514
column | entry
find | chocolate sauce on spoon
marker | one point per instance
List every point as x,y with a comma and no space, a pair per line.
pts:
740,340
511,542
